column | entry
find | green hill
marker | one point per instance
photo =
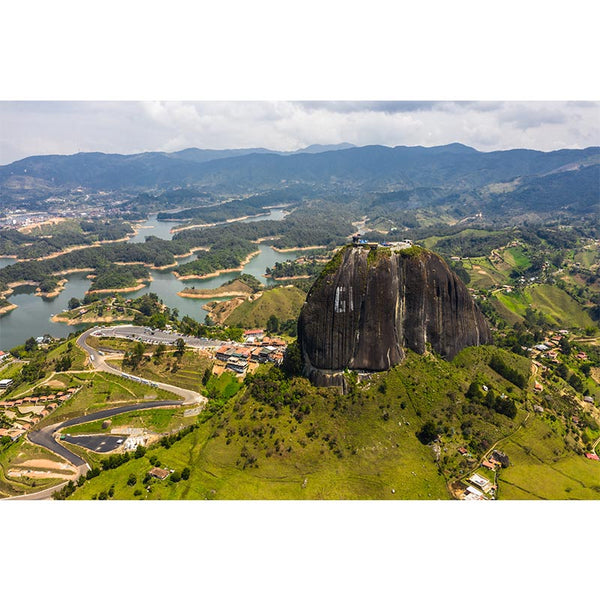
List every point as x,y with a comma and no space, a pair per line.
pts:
285,439
283,302
560,308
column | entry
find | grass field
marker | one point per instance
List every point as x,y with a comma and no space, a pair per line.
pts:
516,257
541,468
483,273
78,356
185,372
10,370
158,420
554,303
346,447
283,302
102,390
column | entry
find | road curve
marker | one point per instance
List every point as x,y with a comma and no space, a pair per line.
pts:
99,364
45,437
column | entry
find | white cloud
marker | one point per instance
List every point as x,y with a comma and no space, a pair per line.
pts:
30,128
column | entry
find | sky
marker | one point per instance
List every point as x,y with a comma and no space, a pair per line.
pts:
62,127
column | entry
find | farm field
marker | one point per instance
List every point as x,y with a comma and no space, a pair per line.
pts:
541,468
554,303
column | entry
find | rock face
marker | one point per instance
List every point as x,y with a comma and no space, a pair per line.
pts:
369,304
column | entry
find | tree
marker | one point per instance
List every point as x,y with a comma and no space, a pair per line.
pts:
428,433
30,344
185,474
158,352
74,303
474,393
140,451
180,345
206,376
273,324
292,360
132,480
562,371
565,346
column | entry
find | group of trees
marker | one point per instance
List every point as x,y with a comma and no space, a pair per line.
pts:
295,268
227,253
118,276
29,246
508,372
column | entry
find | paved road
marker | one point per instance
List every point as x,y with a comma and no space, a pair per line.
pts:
96,442
99,363
45,437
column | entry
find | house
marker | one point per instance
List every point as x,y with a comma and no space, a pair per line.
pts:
538,387
582,356
158,473
224,353
463,451
488,465
253,333
537,408
501,458
592,456
5,383
237,364
588,399
473,494
480,481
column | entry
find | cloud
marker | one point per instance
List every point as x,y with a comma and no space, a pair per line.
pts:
30,128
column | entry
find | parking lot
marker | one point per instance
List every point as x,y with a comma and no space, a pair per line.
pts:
154,336
96,443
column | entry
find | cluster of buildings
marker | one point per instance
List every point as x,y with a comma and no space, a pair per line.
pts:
257,348
24,413
358,240
480,487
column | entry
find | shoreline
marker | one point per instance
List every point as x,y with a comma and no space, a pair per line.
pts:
297,248
15,284
82,321
60,286
6,309
204,295
141,284
287,278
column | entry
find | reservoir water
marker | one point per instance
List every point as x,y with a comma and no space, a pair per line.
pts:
32,317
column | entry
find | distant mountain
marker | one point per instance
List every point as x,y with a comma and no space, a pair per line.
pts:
316,148
453,165
575,190
198,155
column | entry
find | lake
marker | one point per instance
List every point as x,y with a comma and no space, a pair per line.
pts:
32,318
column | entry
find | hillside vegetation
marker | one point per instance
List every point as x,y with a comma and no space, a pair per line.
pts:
283,302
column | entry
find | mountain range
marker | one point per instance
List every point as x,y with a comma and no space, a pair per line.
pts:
453,165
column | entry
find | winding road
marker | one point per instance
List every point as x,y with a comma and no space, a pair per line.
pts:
99,364
46,436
